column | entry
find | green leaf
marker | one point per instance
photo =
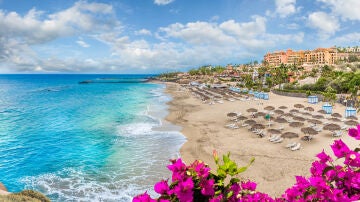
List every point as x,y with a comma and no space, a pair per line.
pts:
234,180
242,169
228,195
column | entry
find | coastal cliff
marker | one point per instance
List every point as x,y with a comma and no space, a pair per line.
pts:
26,195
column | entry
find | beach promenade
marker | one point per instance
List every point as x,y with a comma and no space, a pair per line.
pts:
275,166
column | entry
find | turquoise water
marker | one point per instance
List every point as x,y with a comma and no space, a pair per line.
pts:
83,142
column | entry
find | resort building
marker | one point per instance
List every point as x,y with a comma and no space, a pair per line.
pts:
319,56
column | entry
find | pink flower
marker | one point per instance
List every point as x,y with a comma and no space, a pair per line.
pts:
143,198
201,169
317,168
355,132
352,159
161,187
323,157
249,185
217,198
339,148
207,187
184,190
179,170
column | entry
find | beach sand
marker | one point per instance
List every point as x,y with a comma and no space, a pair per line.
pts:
275,166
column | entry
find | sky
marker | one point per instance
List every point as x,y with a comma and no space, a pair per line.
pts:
153,36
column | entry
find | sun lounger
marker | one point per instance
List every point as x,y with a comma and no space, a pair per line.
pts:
281,128
244,125
344,127
275,138
278,140
262,134
296,147
337,133
290,145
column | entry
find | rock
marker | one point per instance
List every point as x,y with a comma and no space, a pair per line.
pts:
2,187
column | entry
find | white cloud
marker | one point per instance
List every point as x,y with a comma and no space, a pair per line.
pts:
143,32
325,24
163,2
347,39
82,43
346,9
285,8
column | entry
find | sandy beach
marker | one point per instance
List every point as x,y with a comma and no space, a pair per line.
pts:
275,166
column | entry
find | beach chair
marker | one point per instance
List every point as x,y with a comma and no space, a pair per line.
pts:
262,134
274,138
344,127
296,147
337,133
281,128
290,145
244,125
278,140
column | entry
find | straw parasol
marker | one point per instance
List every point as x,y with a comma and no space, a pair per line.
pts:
294,111
310,109
298,106
352,117
351,123
321,111
258,126
334,119
241,118
288,114
280,120
278,111
315,121
251,110
260,114
283,107
289,135
309,130
318,116
332,127
274,131
232,114
296,124
298,118
250,122
306,114
269,108
336,115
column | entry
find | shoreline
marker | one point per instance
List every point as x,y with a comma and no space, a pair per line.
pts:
275,167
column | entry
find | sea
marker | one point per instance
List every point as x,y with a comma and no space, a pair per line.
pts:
97,141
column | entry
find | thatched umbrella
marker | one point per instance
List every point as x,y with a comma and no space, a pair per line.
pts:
241,118
352,117
258,126
306,114
336,115
321,111
351,123
278,111
280,120
332,127
314,121
232,114
294,111
318,116
310,109
288,114
296,124
269,108
260,114
299,106
309,130
289,135
334,119
298,118
283,107
251,110
274,131
250,122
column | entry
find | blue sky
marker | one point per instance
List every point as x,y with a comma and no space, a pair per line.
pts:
151,36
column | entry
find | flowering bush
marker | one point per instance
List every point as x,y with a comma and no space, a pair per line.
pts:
328,181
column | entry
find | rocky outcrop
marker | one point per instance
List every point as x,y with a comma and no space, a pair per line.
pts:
26,195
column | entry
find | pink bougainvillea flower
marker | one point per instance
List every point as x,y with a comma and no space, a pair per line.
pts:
323,157
249,185
161,187
143,198
184,190
201,169
178,169
339,148
207,187
217,198
355,132
352,159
